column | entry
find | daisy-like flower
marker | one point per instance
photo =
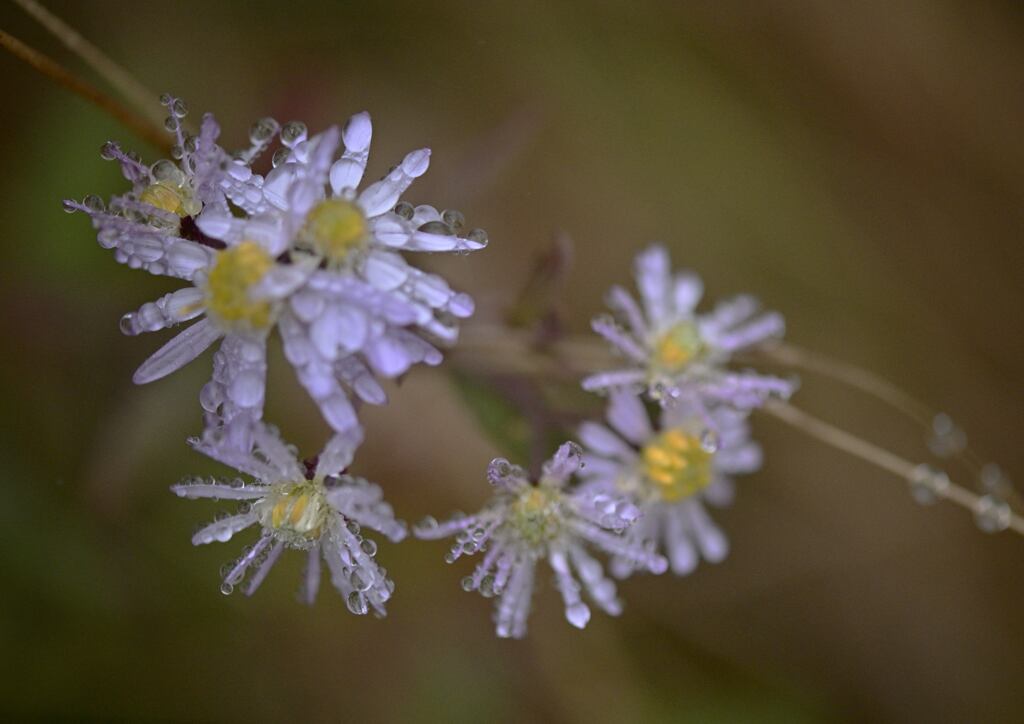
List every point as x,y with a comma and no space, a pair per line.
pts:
673,352
670,470
527,522
207,220
308,506
354,237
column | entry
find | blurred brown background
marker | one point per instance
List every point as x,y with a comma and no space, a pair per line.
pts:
857,165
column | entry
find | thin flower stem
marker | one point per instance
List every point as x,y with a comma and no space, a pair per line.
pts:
865,381
491,348
856,377
131,89
849,443
484,347
138,125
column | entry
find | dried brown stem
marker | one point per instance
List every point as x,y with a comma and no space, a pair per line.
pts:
122,81
57,73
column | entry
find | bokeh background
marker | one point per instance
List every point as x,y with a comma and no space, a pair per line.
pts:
857,165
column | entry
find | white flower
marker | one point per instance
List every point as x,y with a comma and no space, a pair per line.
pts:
312,507
313,213
527,522
210,221
673,352
670,471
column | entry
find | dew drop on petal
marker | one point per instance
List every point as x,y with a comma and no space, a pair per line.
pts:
356,603
578,614
437,227
710,441
127,324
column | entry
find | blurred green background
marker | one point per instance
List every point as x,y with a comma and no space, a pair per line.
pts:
857,165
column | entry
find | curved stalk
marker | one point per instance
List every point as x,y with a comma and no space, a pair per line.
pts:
57,73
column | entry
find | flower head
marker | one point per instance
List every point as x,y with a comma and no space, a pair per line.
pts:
315,211
672,351
670,468
312,507
529,521
280,253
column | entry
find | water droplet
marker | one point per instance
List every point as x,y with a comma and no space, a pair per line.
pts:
453,218
226,588
359,583
108,151
436,227
166,99
352,526
279,157
428,523
927,484
179,108
293,133
69,206
946,439
262,130
127,324
467,583
171,123
487,588
710,441
993,479
578,614
992,515
405,210
93,202
369,547
356,603
165,170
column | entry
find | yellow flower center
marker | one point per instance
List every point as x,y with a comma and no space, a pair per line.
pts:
677,348
229,284
675,465
535,515
335,228
170,190
295,512
164,196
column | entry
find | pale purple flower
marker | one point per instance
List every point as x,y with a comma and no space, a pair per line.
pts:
311,506
672,352
670,468
313,212
339,330
527,522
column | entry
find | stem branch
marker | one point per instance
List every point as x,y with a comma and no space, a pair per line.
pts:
869,452
132,90
51,69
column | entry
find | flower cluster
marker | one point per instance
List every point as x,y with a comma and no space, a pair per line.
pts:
312,251
677,433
